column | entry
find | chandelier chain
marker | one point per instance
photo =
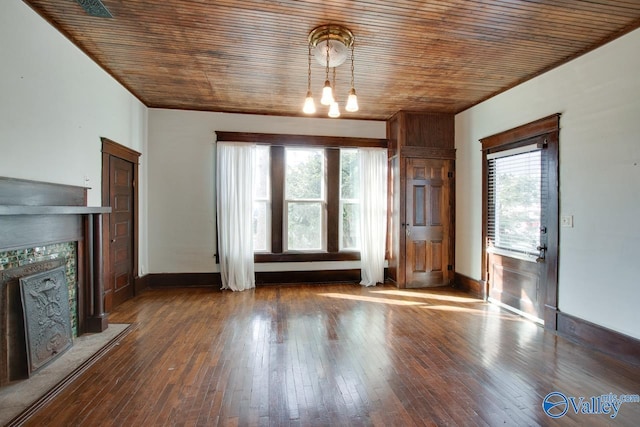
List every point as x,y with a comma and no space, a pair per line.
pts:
328,48
352,69
309,72
334,82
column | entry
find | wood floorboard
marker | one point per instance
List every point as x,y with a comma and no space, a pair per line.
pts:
319,355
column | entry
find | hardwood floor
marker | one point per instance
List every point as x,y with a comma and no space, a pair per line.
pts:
334,355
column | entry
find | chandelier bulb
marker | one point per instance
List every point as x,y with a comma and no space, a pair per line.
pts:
352,101
327,94
309,104
334,110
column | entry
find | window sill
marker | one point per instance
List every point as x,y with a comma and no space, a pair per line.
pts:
307,257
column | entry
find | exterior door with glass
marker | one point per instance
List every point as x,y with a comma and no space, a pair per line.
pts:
521,202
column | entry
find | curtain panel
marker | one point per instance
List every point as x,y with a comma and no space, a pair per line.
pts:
373,214
234,170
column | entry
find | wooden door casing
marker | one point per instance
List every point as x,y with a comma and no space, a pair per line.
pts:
526,285
394,239
427,222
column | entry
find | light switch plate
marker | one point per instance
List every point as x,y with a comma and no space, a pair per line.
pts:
566,221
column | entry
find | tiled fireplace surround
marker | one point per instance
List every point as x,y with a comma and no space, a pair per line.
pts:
65,252
43,222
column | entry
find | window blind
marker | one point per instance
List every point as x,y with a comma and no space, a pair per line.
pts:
517,200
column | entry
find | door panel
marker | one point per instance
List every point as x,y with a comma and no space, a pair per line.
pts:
121,195
427,225
516,283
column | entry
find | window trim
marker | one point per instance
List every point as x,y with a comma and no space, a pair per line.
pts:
332,145
304,140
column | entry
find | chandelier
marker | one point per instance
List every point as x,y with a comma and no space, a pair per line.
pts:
330,45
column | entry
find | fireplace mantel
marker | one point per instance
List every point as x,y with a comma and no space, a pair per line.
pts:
34,213
52,210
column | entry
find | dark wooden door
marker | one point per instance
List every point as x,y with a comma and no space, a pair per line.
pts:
428,222
521,227
121,196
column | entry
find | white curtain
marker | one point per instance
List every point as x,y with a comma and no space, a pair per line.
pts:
235,213
373,214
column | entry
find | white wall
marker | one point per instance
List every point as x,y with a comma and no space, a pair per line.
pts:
55,104
598,95
181,182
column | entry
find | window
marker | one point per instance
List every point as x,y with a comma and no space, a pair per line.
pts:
515,200
319,195
261,200
349,200
306,202
304,199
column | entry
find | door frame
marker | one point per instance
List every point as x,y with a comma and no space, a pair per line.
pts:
111,148
550,126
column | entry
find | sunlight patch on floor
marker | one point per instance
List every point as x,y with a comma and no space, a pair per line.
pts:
371,299
475,311
427,295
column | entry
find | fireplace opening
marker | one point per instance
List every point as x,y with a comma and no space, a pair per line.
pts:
47,321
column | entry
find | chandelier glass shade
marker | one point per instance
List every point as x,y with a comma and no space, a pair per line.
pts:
338,53
327,94
331,46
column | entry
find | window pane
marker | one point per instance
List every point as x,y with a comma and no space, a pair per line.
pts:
515,198
349,174
304,226
350,231
349,199
261,200
304,173
261,173
261,234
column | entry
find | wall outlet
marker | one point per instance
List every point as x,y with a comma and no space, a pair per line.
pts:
566,221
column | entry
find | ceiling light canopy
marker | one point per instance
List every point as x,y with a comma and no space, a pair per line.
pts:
339,39
330,45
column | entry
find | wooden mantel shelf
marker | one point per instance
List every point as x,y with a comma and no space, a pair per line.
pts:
52,210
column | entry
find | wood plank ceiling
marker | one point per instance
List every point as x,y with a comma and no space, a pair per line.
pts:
250,56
